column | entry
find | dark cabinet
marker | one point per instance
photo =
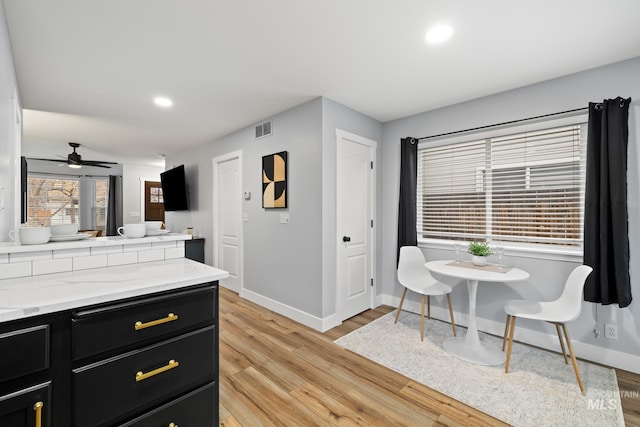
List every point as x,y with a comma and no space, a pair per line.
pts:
132,323
142,378
142,361
27,408
24,351
194,249
196,408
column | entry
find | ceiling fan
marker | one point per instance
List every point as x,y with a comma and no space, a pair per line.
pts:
74,160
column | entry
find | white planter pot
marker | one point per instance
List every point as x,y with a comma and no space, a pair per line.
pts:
479,260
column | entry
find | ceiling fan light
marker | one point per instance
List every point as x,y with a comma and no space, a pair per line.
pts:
74,166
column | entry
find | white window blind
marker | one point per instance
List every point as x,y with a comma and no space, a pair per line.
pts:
53,200
525,187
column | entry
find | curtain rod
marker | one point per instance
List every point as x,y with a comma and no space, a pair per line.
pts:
575,110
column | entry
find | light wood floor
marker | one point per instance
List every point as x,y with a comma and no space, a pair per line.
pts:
276,372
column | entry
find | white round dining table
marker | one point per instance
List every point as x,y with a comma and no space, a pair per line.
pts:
469,347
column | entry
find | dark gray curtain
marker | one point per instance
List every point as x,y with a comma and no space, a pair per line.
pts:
606,235
114,205
407,206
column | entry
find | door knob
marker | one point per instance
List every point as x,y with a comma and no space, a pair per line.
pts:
346,238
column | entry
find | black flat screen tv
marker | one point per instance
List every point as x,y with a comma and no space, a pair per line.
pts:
174,189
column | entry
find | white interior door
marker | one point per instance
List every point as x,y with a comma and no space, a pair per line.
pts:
355,223
227,208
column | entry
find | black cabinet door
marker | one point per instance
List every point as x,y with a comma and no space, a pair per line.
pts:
24,351
197,408
139,380
27,408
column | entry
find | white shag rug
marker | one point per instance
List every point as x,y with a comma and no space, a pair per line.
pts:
539,390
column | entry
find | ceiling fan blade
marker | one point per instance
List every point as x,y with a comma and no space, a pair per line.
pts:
94,162
97,164
49,160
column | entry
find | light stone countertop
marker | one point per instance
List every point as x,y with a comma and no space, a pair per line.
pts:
13,247
35,295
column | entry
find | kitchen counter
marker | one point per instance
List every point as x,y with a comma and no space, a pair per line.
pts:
14,247
35,295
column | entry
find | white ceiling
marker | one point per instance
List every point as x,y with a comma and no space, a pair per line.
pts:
89,69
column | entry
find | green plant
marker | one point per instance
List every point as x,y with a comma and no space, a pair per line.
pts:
479,249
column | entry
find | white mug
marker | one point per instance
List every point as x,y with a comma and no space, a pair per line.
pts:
133,231
31,235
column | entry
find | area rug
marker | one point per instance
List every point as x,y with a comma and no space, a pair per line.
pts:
539,390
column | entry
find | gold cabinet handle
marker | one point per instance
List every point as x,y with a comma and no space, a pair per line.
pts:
142,376
38,408
170,318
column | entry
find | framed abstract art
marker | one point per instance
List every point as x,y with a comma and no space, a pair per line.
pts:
274,180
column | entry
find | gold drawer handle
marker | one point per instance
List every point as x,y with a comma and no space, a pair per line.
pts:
141,376
170,318
38,408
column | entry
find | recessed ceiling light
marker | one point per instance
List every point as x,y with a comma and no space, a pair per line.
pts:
162,101
439,34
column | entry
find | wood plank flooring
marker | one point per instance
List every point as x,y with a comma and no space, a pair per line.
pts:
276,372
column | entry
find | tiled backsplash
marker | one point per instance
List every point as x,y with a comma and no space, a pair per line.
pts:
21,264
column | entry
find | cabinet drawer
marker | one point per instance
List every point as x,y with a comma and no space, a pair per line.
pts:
198,408
27,407
24,351
106,328
136,381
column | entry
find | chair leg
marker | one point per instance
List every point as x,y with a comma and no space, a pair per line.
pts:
564,352
573,359
400,308
422,321
453,323
506,331
511,328
429,307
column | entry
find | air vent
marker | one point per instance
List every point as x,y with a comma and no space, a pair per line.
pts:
263,129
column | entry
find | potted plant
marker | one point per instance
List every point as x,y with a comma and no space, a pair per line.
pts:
480,252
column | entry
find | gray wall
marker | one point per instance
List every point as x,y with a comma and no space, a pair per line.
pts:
282,261
10,135
547,276
293,264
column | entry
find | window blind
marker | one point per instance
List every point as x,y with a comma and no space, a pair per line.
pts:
523,187
53,200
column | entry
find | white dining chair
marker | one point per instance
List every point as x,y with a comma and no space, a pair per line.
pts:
565,309
413,275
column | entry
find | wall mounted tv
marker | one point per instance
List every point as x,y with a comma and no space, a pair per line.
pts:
174,189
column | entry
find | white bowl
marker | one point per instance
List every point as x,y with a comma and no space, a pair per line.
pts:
153,225
31,235
64,229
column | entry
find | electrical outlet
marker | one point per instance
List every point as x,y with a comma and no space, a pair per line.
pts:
611,331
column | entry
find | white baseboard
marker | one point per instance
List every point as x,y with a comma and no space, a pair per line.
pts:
292,313
590,352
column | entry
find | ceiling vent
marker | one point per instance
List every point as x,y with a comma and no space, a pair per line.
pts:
264,129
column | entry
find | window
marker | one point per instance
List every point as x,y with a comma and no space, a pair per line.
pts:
68,200
53,200
525,188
